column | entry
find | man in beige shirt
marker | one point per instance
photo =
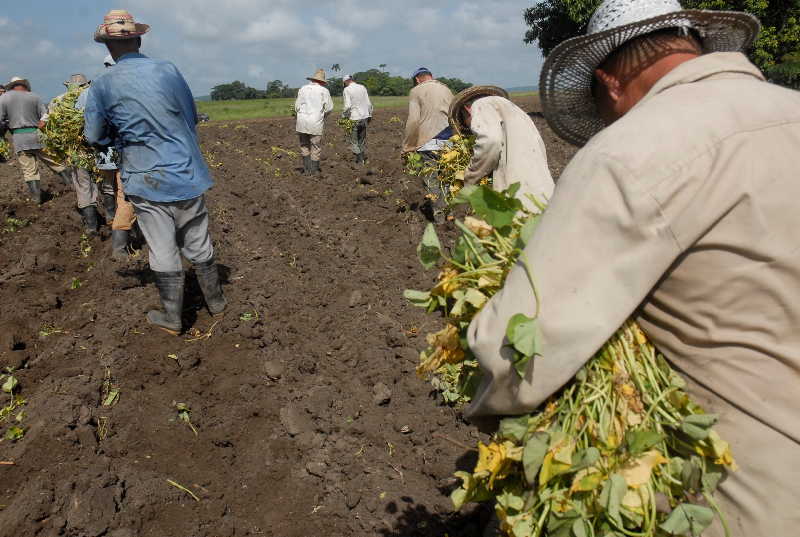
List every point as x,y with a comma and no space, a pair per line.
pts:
508,146
428,129
681,211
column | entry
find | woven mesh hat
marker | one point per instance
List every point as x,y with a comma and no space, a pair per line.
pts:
566,79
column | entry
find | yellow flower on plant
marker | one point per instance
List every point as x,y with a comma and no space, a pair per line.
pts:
447,282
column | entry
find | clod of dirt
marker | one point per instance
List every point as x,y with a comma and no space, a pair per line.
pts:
294,422
381,394
316,468
273,369
356,298
365,180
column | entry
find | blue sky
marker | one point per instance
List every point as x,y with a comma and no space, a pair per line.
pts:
217,41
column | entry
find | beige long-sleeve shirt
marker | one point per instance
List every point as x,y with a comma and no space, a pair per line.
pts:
428,106
313,104
683,213
508,146
355,102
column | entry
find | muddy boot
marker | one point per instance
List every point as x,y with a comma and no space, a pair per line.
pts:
66,177
306,165
35,189
110,205
119,244
208,278
89,216
170,289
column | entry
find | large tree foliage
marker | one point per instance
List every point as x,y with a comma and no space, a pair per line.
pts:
775,52
235,90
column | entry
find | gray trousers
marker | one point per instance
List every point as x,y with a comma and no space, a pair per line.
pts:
174,228
358,137
86,187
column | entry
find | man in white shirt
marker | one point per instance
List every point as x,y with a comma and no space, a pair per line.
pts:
358,108
313,105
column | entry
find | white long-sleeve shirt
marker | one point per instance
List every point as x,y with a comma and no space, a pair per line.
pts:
356,102
312,105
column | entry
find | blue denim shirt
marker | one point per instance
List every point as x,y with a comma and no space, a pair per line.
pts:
145,109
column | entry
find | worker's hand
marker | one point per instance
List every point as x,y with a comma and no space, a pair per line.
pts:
41,124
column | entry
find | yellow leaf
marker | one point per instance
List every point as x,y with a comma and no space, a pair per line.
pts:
447,282
446,350
478,227
492,461
586,480
637,472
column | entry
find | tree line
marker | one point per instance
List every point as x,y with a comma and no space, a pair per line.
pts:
377,81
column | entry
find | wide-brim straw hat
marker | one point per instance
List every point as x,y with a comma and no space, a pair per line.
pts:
456,113
319,76
119,24
565,84
18,81
76,80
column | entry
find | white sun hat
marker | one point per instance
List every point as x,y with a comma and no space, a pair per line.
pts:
566,79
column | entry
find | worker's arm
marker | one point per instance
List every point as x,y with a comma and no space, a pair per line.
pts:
488,130
327,106
96,129
599,249
347,103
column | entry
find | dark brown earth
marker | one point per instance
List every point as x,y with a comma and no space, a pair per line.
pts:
288,393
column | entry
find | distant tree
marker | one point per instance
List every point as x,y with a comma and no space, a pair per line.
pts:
335,68
336,86
775,51
235,90
455,84
382,66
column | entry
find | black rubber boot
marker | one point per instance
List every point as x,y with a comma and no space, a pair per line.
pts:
35,189
119,244
208,278
170,289
110,205
306,165
89,215
66,177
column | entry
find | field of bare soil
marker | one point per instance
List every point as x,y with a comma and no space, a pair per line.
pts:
309,418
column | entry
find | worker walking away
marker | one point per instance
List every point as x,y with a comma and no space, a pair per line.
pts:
312,106
508,147
24,110
357,108
149,110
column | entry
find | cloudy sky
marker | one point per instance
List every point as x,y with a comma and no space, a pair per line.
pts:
218,41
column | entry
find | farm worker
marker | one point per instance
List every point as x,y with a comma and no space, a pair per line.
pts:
82,180
148,108
358,108
24,111
508,145
313,105
119,211
681,211
428,129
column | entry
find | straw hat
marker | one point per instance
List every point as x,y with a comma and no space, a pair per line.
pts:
18,81
76,80
567,75
456,114
319,76
119,24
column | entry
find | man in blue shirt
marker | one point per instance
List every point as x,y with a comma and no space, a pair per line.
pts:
146,110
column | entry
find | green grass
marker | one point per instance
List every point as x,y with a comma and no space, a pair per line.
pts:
261,108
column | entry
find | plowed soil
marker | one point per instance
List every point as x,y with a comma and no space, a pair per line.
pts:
309,418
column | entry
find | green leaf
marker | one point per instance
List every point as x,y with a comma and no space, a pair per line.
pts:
464,195
614,490
584,459
497,209
514,429
533,455
641,441
521,365
579,529
417,298
698,426
712,477
475,297
14,433
688,519
523,334
528,229
429,249
512,190
10,383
